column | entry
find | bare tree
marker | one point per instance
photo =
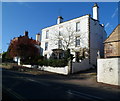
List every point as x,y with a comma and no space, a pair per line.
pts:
67,38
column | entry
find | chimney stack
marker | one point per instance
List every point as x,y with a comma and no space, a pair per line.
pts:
96,12
38,37
26,33
59,19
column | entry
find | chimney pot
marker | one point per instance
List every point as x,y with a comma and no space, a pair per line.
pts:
26,33
59,20
38,37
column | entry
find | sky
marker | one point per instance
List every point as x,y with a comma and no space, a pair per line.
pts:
34,16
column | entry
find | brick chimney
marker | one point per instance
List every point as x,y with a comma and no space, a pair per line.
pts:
26,33
38,37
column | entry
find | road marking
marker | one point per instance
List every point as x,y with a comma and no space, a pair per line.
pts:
84,95
81,96
42,83
14,94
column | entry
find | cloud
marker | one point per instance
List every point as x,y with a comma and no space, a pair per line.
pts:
107,25
115,12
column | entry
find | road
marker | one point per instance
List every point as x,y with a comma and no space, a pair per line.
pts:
27,87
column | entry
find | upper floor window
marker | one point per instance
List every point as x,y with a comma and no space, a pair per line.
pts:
60,34
77,26
46,45
47,33
59,44
77,41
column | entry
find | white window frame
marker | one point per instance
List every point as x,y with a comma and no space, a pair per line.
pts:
77,41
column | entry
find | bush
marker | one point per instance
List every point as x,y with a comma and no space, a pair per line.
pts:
32,60
53,62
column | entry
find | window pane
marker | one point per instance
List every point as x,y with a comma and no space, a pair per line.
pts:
78,26
47,32
77,41
60,33
60,44
46,45
45,56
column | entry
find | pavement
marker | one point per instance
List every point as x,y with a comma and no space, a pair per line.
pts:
84,78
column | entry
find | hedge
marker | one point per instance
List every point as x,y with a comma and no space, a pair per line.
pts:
53,62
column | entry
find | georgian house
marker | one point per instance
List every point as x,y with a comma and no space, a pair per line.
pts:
82,35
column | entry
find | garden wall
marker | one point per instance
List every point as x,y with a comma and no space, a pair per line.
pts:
29,66
108,71
59,70
71,68
80,66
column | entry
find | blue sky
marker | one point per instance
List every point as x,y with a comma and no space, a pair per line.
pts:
33,16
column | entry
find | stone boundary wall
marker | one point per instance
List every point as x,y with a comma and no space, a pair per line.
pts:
108,71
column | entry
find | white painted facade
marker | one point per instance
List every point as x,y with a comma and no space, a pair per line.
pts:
54,32
91,35
97,37
109,71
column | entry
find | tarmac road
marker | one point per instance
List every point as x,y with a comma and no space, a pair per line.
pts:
26,87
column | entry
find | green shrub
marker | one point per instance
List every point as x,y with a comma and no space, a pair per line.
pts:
53,62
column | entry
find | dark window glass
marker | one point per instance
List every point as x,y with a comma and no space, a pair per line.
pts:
77,41
46,46
60,44
47,32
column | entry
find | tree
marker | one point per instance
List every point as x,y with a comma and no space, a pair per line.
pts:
5,57
67,38
25,49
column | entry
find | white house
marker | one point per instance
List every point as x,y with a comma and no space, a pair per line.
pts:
82,32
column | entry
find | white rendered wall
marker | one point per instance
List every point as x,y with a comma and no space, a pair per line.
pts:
59,70
97,37
54,30
108,71
29,66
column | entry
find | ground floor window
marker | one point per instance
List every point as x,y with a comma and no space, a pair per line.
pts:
77,56
45,56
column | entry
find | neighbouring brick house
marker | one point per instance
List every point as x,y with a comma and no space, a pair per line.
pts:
25,39
112,44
